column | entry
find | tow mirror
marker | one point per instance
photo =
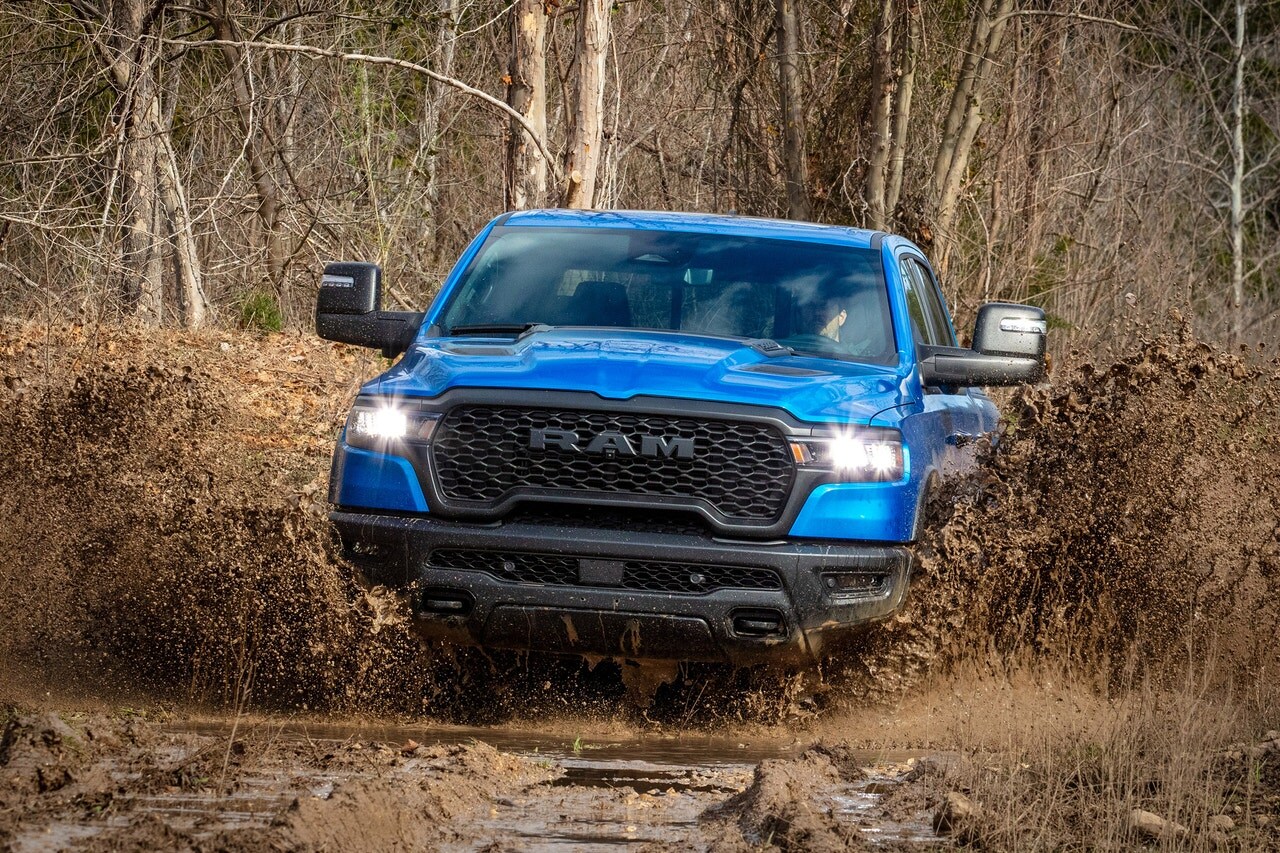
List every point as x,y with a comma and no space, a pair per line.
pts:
1016,331
350,288
1008,349
349,309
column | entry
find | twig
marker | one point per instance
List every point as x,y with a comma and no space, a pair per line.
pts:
22,277
1073,16
308,50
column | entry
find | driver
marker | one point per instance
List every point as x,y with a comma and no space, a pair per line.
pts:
836,314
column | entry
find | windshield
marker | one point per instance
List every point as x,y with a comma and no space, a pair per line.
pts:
817,299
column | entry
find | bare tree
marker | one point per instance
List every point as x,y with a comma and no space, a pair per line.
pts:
902,103
259,136
1236,148
586,130
153,200
446,40
526,172
964,116
883,85
794,153
1225,53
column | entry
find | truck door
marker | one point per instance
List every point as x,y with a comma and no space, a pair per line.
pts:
958,414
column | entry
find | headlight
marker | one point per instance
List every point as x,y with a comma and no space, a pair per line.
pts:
861,455
386,424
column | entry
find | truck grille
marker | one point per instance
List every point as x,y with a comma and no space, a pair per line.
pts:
642,575
743,470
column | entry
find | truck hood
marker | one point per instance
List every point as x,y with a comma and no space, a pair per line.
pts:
620,364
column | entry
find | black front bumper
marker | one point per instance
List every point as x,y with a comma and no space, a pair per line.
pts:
825,589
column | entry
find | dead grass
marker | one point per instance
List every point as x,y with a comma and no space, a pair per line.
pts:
1063,767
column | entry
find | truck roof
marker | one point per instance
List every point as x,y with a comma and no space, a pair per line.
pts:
711,223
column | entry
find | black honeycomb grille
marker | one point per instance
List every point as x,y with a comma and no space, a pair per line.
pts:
641,575
581,515
743,470
682,577
515,567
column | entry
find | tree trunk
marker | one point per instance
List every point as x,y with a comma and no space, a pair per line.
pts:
587,131
991,24
257,134
191,297
446,43
960,96
134,78
526,177
794,155
1237,178
882,89
1039,138
902,107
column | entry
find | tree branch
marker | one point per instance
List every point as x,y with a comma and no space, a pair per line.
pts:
1074,16
308,50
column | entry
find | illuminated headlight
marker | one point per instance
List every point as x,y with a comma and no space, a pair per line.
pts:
863,455
386,424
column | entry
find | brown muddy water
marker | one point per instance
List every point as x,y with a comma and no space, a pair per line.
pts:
625,791
95,782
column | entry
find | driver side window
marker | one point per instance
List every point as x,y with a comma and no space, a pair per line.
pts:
928,317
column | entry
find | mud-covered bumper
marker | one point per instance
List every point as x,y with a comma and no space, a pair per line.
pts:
804,595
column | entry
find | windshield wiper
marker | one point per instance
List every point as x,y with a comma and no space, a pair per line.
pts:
517,329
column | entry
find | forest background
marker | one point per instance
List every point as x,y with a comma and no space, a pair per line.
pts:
198,162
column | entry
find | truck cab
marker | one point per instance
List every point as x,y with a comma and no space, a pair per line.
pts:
658,435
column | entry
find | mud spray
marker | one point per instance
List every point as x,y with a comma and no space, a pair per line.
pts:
165,536
164,546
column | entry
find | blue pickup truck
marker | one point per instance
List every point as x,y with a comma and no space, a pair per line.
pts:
660,436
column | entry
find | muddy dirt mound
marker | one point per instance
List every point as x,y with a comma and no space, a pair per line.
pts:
779,810
1129,514
108,783
41,753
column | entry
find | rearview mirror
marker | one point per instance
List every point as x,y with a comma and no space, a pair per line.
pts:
1008,349
349,310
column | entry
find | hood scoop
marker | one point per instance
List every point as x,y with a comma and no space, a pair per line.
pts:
784,370
477,349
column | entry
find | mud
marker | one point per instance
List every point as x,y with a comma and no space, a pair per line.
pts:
164,553
1127,521
95,782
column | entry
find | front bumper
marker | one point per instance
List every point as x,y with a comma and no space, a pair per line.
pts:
824,589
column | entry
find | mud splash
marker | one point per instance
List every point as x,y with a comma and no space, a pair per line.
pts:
165,536
1127,521
163,531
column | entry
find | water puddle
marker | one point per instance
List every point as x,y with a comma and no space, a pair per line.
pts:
606,793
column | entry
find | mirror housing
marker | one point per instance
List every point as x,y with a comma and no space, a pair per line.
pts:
1008,349
349,310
